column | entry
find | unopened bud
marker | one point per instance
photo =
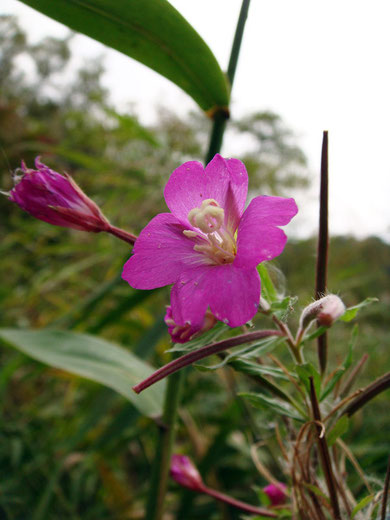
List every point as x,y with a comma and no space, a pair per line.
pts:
56,199
276,493
326,311
184,333
185,473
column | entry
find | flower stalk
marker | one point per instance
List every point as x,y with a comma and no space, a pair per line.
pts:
121,234
186,474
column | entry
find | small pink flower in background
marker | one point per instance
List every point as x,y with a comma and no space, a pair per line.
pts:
208,246
56,199
184,333
185,473
276,493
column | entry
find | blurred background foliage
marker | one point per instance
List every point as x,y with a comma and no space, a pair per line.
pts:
70,448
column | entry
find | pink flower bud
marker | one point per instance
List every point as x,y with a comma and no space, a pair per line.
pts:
184,333
185,473
276,493
332,309
56,199
326,311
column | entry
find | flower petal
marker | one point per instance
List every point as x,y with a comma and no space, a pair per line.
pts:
258,236
224,180
161,253
232,294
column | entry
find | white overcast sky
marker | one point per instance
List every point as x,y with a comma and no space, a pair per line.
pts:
320,65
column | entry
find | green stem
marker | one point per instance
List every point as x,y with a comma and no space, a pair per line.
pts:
162,460
220,117
161,464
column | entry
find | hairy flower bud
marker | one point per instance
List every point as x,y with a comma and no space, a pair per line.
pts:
184,333
185,473
276,493
326,311
56,199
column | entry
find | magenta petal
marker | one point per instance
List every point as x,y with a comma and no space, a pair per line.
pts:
189,298
258,236
161,252
224,180
232,294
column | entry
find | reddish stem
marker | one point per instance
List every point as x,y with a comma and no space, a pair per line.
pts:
122,234
248,508
323,247
196,355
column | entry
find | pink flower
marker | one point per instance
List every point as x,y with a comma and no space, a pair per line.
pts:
185,473
208,246
184,333
56,199
276,493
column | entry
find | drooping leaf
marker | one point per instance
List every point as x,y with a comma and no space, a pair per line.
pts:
92,358
152,32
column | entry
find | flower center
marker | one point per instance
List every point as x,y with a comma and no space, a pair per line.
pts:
214,241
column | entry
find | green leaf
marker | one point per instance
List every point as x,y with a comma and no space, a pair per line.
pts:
269,403
305,371
351,312
252,351
282,308
90,357
316,490
338,429
255,369
360,505
318,332
153,33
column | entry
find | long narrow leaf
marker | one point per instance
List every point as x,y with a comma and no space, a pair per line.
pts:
90,357
153,33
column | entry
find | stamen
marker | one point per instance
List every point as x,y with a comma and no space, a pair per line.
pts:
190,234
218,246
208,218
